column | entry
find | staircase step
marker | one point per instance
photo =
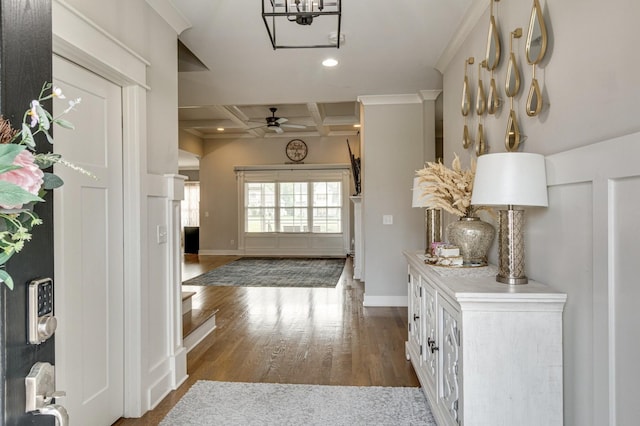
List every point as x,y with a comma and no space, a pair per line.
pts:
196,325
186,301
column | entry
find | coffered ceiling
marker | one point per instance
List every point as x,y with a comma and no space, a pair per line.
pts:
230,74
250,121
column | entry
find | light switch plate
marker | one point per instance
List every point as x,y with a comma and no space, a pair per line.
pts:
162,234
387,219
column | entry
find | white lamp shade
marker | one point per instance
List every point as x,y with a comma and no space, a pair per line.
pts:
420,200
511,178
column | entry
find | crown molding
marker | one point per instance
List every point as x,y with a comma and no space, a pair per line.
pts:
168,12
429,95
469,21
389,99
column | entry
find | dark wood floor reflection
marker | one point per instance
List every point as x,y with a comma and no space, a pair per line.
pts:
293,335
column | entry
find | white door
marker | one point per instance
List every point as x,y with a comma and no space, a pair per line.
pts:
88,239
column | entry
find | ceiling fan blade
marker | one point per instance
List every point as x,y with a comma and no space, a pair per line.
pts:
295,126
277,129
281,120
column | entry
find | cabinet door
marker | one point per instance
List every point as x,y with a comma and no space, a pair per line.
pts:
415,321
430,353
450,361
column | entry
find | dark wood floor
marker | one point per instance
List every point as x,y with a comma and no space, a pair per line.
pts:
293,335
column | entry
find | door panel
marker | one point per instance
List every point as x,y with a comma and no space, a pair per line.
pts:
88,249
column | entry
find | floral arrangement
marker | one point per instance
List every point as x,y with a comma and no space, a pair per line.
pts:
450,188
23,181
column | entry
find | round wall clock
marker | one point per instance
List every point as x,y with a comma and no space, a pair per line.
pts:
296,150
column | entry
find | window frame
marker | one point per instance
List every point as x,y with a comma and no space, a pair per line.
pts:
285,241
309,205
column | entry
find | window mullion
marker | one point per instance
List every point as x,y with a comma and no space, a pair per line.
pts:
310,206
277,207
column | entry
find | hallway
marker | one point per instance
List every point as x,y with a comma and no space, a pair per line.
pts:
294,335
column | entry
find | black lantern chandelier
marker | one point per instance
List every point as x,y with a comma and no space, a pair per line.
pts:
295,18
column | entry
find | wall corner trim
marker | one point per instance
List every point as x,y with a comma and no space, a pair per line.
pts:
175,186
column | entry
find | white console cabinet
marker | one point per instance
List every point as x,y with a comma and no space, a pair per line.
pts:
485,353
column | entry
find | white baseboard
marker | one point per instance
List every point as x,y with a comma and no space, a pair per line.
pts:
385,301
221,252
179,367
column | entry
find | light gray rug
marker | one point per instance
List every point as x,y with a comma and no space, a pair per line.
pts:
225,403
274,272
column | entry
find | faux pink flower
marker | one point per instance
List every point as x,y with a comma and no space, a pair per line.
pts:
33,112
28,177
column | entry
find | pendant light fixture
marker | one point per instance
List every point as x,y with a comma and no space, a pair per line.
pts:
293,17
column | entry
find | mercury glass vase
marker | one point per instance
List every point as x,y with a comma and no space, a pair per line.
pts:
474,238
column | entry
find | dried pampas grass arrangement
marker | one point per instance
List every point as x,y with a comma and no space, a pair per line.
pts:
450,189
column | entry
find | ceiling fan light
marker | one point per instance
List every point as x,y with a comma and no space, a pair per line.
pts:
330,62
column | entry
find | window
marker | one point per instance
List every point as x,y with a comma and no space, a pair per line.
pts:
294,200
327,207
293,207
260,207
190,206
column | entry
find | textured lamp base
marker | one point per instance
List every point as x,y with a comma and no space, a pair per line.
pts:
433,222
511,247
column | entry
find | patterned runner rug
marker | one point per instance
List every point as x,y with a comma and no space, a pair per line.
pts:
274,272
225,403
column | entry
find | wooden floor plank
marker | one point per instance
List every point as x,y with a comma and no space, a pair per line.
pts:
292,335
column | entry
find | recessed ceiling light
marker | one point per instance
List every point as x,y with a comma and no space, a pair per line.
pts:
356,125
330,62
221,129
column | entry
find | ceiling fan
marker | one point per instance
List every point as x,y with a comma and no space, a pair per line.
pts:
276,123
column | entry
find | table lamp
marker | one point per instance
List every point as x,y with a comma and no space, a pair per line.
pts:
512,178
433,216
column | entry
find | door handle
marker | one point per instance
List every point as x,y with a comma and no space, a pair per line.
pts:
55,410
41,392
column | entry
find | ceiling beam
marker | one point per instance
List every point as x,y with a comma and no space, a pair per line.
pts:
203,124
317,113
236,115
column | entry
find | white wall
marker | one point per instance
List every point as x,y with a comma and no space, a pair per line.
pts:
393,146
588,76
190,143
589,79
218,188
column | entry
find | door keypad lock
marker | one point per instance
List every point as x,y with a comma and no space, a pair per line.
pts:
41,322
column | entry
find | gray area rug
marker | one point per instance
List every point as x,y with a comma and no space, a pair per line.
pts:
225,403
274,272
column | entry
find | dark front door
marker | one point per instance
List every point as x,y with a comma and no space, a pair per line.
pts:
25,65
